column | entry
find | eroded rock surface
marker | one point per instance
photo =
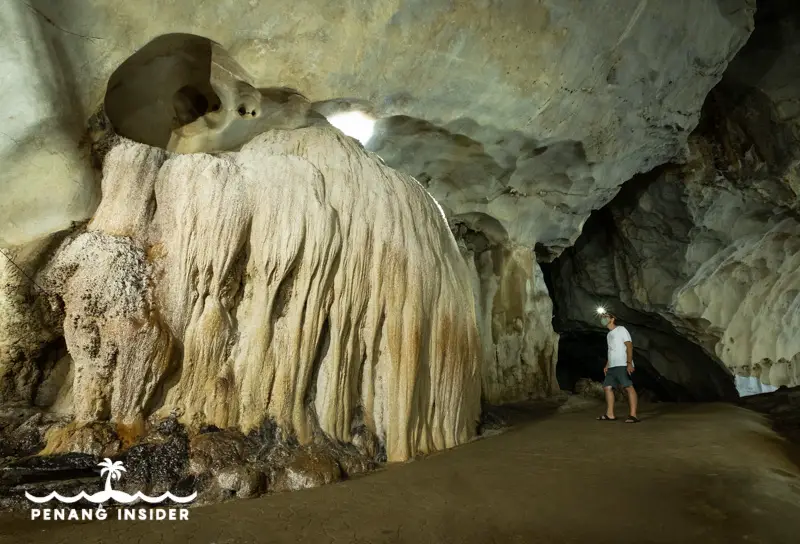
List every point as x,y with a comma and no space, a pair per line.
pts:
186,94
519,119
548,107
681,256
216,464
707,253
514,314
783,408
229,289
497,129
31,342
711,249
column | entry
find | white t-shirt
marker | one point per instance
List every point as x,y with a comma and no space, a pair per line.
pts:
617,351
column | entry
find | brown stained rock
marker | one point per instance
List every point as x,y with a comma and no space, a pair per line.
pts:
96,438
214,450
306,468
242,481
366,443
217,464
31,317
179,329
21,439
514,313
226,463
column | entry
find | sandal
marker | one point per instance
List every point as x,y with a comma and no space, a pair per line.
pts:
632,419
606,418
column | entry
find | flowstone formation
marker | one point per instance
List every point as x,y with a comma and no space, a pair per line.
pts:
298,283
304,313
205,103
514,314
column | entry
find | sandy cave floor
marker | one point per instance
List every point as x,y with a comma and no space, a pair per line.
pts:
687,473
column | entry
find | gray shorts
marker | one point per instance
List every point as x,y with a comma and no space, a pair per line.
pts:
617,375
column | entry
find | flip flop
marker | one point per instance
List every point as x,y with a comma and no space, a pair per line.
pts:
632,419
606,418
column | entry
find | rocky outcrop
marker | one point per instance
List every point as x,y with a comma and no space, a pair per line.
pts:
681,256
216,464
514,314
710,250
31,342
298,280
185,93
783,408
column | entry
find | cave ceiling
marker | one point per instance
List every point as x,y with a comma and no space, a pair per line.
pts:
533,113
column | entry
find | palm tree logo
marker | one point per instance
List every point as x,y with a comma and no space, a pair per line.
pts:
114,470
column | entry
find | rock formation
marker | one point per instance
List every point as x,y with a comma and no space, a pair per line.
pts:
251,276
710,250
298,280
186,94
498,131
205,103
596,78
514,315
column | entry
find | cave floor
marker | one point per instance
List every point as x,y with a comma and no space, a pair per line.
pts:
687,473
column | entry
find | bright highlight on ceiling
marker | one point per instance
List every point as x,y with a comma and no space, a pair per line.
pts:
355,124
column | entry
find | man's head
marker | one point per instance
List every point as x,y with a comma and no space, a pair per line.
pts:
608,320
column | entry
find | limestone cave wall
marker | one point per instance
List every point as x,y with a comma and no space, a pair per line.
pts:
709,250
514,314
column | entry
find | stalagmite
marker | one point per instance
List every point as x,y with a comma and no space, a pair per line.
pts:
299,279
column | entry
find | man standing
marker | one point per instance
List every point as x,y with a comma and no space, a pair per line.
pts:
619,368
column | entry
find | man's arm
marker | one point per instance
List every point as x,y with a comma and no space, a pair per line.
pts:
605,368
629,351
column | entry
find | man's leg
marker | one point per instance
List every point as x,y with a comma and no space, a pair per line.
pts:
633,399
609,401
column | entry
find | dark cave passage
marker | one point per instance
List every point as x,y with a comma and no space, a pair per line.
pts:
582,355
652,255
670,366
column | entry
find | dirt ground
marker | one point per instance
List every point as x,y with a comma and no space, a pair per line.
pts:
687,473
